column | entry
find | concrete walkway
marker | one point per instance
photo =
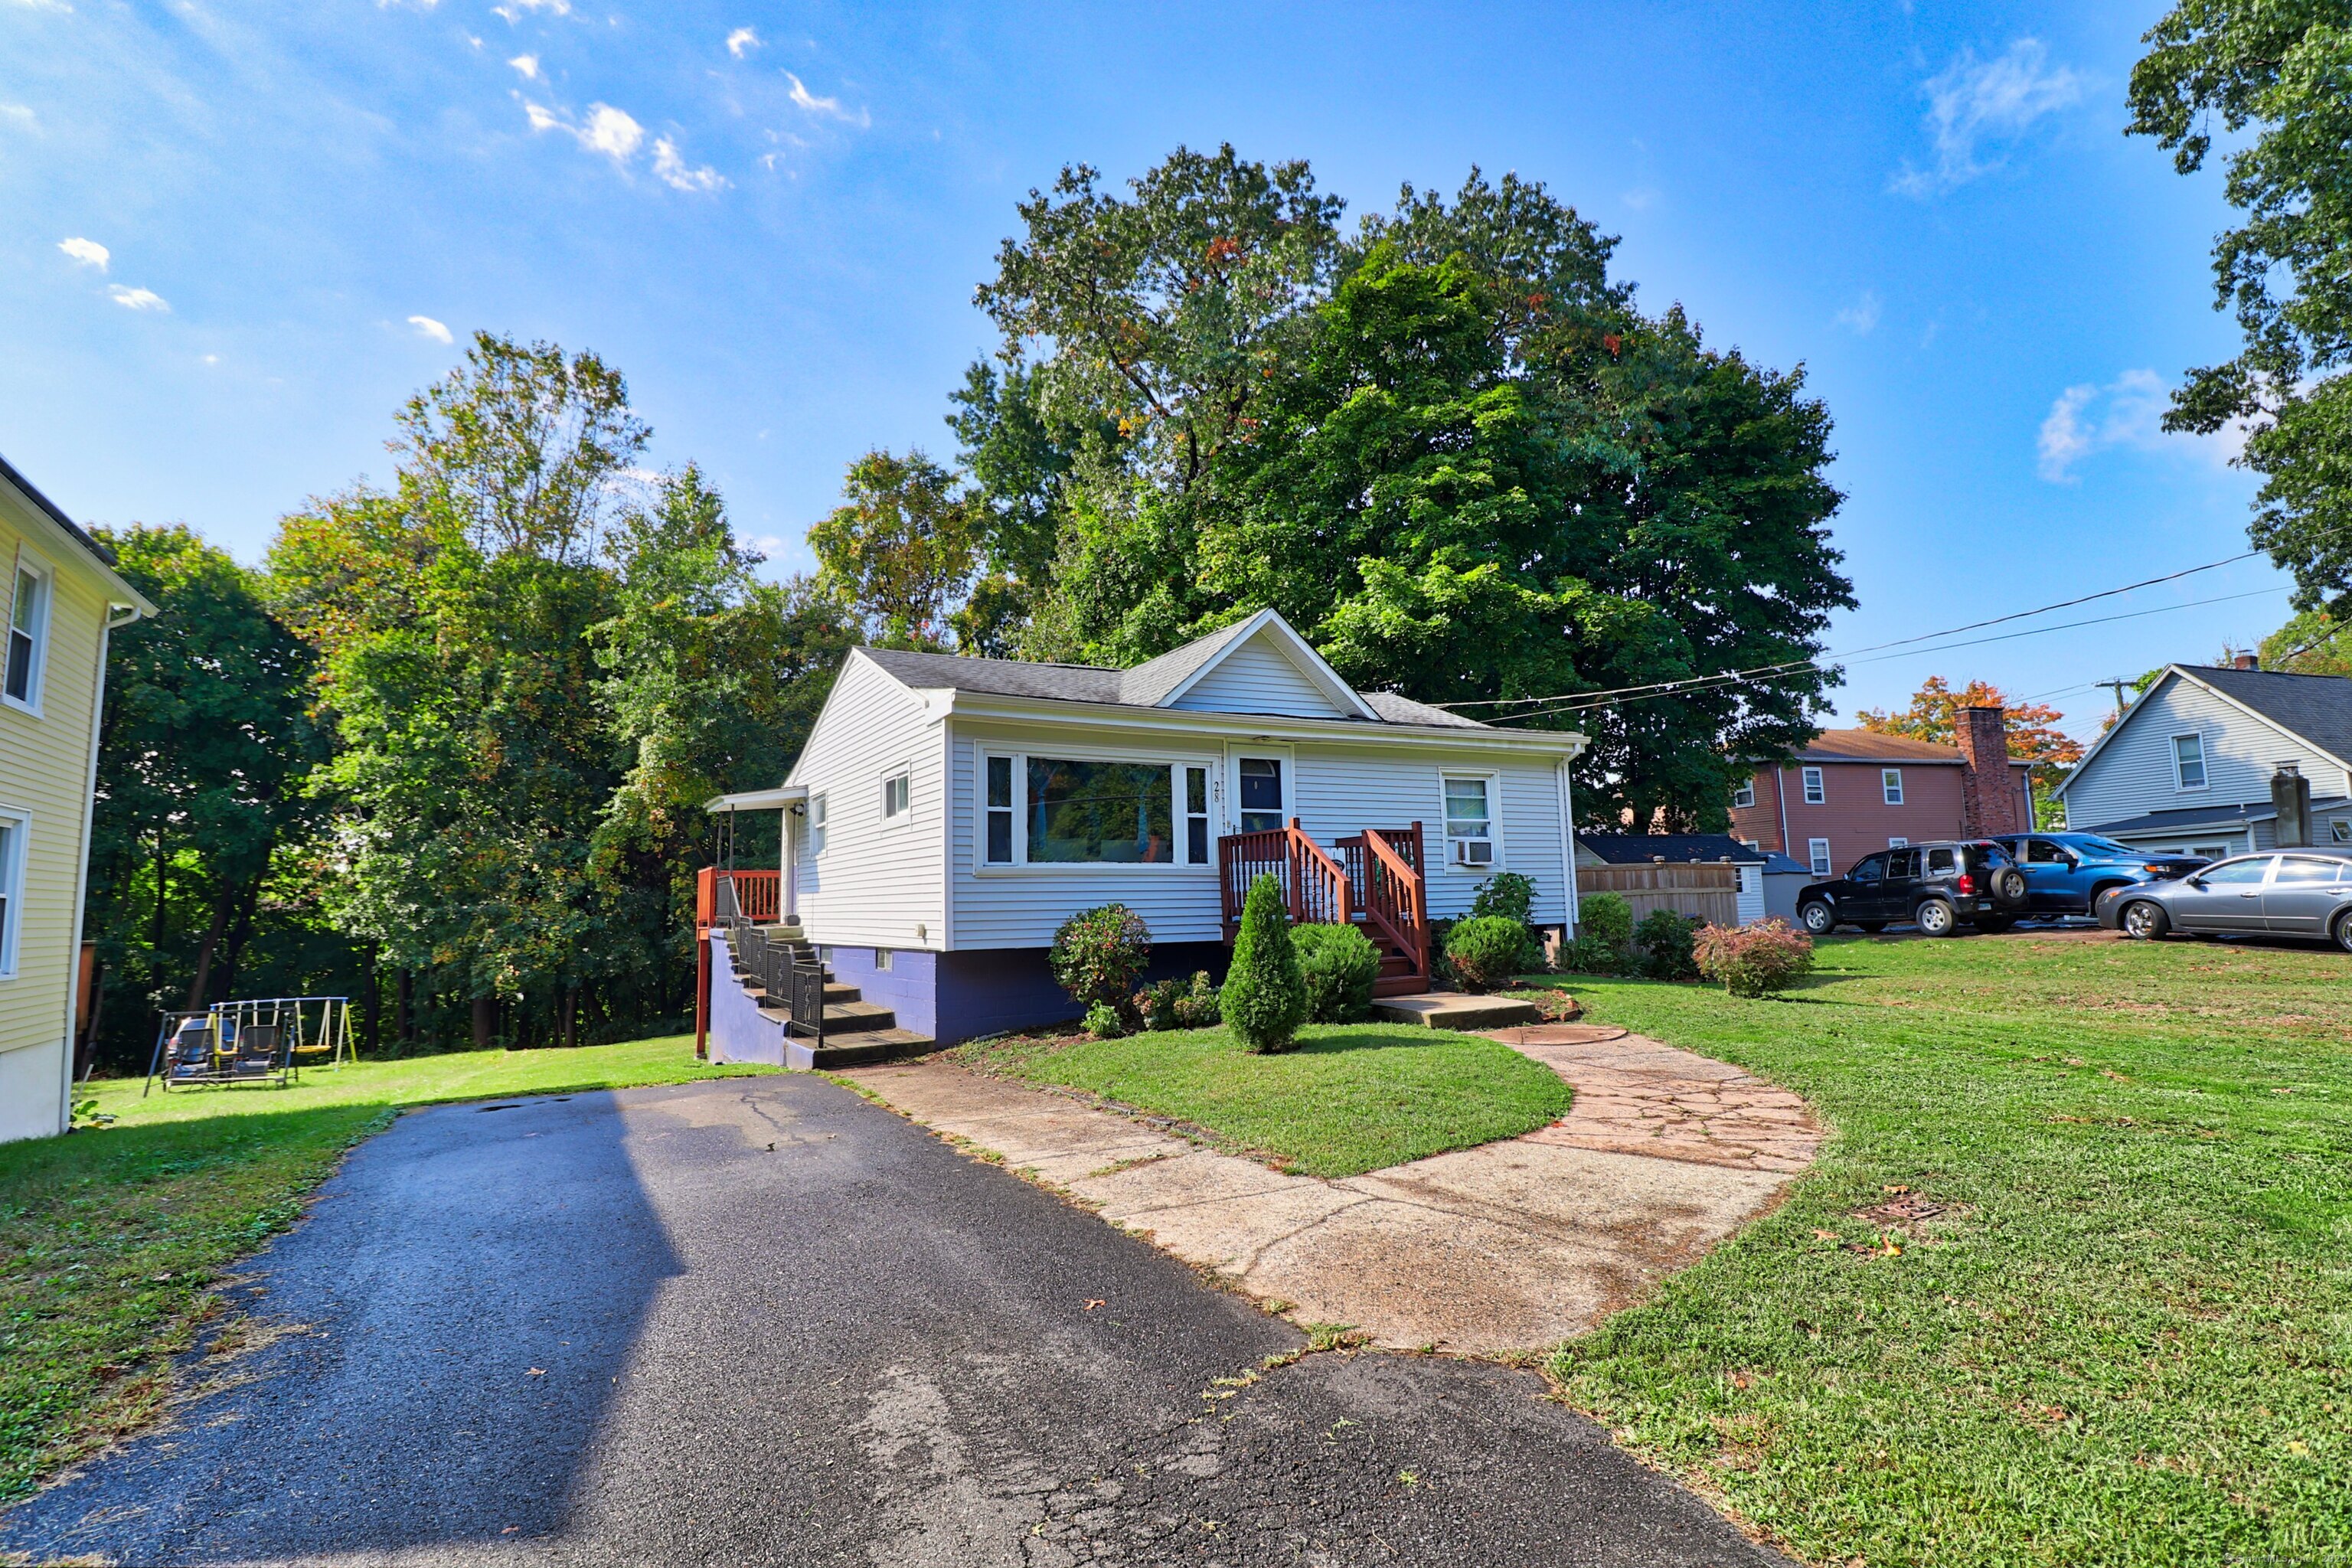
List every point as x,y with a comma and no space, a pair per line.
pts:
1513,1246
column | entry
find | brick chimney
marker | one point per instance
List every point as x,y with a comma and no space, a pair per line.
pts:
2246,661
1988,802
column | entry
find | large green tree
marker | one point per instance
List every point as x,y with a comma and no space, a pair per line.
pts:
1448,448
2277,80
201,828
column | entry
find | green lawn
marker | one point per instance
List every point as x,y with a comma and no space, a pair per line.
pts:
115,1237
1350,1098
2127,1338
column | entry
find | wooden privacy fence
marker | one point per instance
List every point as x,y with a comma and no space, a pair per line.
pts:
1707,890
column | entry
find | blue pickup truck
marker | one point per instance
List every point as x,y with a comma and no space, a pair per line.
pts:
2065,873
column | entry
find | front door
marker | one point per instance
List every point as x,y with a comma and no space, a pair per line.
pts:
2302,899
1262,792
2227,897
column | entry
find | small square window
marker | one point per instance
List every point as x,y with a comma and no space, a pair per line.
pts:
1890,785
882,960
1744,794
2188,760
894,796
1814,793
2339,831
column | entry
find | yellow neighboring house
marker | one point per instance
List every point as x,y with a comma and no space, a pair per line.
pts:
57,603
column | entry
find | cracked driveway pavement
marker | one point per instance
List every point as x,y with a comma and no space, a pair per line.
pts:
760,1321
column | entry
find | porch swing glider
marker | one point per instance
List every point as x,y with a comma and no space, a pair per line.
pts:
268,1040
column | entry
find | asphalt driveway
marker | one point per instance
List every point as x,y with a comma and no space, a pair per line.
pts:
761,1320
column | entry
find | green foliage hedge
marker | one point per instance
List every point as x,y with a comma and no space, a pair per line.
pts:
1338,964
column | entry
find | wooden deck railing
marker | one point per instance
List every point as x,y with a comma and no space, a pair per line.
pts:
720,896
1314,886
1384,868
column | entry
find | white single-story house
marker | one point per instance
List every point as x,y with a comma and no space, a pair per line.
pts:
2188,767
949,814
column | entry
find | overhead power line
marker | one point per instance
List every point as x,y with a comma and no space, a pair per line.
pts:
1695,682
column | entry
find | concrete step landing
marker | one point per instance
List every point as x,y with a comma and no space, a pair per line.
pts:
1452,1010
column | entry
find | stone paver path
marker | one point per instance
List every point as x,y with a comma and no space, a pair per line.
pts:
1513,1246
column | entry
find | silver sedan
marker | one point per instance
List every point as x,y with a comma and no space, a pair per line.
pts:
2305,893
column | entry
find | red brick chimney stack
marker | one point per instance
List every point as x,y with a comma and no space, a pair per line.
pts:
1989,803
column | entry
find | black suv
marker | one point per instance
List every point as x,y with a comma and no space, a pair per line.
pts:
1941,888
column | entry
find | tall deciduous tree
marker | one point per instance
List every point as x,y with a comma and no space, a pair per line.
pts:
901,553
2277,77
1935,715
207,740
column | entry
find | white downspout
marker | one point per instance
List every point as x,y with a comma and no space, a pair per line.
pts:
81,875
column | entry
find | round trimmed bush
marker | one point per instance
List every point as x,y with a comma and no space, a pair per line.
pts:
1665,940
1754,960
1605,917
1338,964
1486,952
1264,995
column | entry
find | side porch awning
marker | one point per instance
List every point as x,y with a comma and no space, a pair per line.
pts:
776,799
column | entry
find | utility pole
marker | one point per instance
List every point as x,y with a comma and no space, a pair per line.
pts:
2118,687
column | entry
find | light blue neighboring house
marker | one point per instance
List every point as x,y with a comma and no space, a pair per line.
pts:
2189,766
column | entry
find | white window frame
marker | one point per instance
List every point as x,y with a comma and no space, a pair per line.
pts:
1745,795
36,672
1021,866
1890,786
1494,839
903,776
1816,857
19,824
817,834
1898,843
1011,808
2339,830
1817,791
2204,764
882,960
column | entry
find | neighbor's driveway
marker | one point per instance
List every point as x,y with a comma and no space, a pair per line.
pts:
760,1321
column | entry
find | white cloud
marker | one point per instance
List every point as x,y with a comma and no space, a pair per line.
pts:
826,106
20,115
527,65
674,172
426,327
609,131
136,298
41,4
512,11
1861,318
209,359
2128,413
741,42
1972,101
87,252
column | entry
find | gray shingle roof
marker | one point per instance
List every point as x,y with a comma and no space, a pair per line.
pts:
57,514
1090,683
1641,848
2316,707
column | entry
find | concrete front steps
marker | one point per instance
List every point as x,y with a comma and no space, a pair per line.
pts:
858,1033
1453,1010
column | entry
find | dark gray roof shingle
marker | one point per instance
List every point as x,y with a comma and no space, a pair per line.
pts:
1088,683
2316,707
1641,848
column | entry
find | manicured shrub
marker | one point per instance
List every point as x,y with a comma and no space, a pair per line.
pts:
1338,964
1264,998
1199,1007
1159,1004
1754,960
1664,940
1605,917
1098,953
1104,1022
1484,952
1590,954
1511,896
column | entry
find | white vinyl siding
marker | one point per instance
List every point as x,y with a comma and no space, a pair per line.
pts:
1750,898
1335,790
877,881
2135,770
1258,677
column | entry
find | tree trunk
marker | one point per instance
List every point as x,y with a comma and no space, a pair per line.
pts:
239,933
371,1021
486,1021
571,1018
224,903
155,938
407,1004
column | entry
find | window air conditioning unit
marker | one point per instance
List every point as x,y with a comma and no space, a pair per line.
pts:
1473,852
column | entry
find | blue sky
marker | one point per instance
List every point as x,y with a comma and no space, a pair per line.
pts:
233,239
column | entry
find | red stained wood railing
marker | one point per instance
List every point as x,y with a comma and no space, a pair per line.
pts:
1395,894
1314,885
756,896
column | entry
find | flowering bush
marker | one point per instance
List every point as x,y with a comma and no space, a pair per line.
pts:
1201,1007
1754,960
1098,953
